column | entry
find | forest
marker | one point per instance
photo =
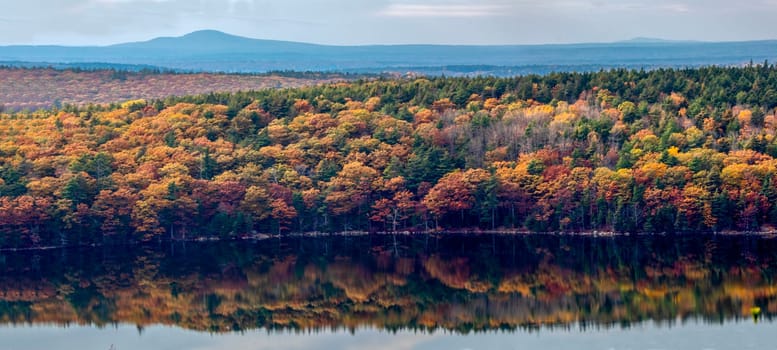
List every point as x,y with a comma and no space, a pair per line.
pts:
664,151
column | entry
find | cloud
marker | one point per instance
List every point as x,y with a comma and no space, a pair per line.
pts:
386,21
640,6
677,8
441,10
127,1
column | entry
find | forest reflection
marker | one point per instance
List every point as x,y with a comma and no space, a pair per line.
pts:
426,283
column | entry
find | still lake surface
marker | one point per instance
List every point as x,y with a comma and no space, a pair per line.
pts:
403,292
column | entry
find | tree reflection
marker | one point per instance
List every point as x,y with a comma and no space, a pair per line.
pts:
460,284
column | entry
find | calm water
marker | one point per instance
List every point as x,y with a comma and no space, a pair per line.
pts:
485,292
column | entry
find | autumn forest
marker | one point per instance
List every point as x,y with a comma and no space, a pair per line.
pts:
667,150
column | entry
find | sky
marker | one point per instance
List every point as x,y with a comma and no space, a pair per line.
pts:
356,22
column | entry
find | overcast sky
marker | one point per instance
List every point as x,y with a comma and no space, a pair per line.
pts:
346,22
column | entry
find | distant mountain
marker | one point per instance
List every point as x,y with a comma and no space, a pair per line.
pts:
211,50
213,40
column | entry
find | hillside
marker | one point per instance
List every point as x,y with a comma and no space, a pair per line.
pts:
625,151
43,88
216,51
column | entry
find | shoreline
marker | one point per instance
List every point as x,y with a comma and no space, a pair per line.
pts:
432,233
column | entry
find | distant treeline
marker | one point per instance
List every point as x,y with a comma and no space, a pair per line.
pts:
512,71
121,70
667,150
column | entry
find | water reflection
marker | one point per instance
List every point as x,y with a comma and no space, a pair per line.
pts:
433,284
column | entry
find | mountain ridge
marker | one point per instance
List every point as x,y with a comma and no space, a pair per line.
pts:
208,35
216,51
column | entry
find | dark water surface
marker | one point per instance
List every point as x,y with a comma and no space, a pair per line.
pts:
404,292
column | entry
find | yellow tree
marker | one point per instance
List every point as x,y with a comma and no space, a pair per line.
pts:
256,203
350,190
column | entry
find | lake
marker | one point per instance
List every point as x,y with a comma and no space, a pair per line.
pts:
396,292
